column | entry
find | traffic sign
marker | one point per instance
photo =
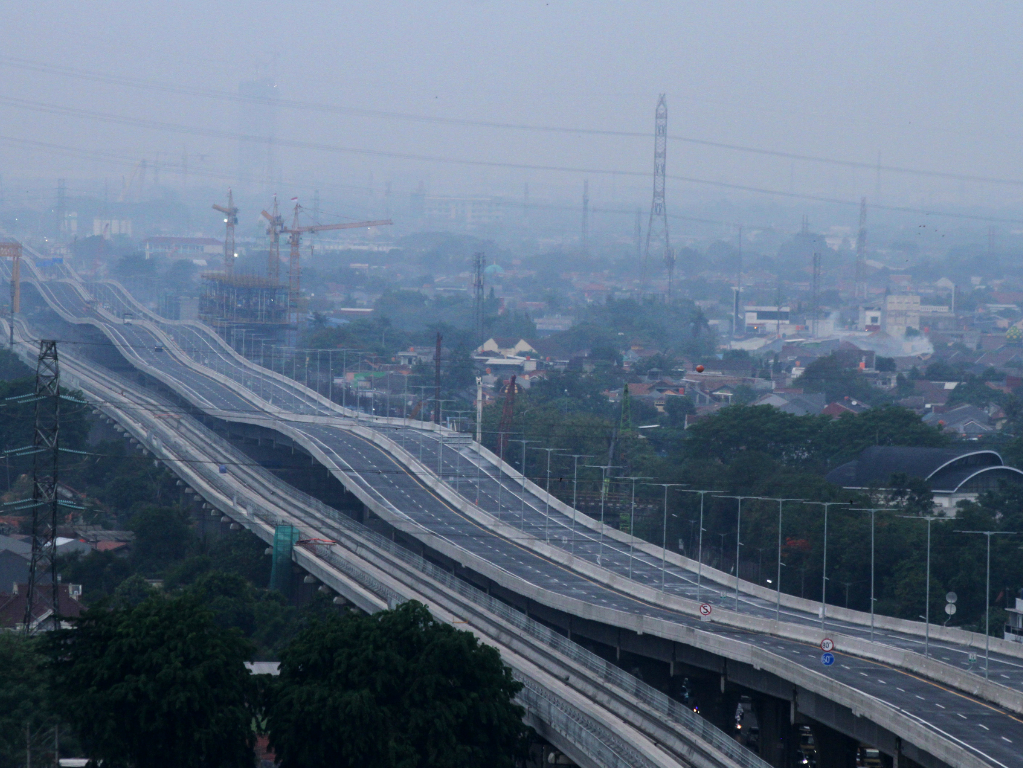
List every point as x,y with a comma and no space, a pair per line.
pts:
972,657
828,659
827,644
950,609
951,597
705,612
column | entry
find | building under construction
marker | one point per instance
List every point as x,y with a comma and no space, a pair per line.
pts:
233,299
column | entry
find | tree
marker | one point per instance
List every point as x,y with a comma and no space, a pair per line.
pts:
829,376
393,690
155,685
162,535
24,705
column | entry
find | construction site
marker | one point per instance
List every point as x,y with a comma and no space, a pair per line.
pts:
231,300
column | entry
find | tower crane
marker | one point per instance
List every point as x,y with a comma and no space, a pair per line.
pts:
275,226
295,239
230,219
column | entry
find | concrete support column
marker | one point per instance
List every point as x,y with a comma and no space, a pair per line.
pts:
834,749
775,731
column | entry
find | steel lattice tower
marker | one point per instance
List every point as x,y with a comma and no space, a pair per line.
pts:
657,226
46,450
860,289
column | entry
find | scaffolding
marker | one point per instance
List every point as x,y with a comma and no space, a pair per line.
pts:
228,300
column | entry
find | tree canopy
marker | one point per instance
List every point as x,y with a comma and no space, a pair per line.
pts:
393,690
154,685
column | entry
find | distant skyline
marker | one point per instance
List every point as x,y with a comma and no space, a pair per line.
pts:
928,86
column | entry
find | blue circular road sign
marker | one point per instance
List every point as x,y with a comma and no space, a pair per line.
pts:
828,659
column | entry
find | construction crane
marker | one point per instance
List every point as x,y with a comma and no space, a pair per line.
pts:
274,228
295,234
230,219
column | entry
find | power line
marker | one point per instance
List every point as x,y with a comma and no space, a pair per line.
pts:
316,146
210,93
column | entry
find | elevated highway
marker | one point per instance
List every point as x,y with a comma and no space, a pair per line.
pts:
455,499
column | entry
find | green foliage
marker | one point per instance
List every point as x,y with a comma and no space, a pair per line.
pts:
974,391
24,699
162,535
396,689
158,684
814,441
677,408
828,375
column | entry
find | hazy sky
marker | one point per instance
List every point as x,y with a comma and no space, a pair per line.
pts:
931,85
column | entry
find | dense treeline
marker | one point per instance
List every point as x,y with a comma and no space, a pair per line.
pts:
161,681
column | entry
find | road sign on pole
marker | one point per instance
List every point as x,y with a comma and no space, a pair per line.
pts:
828,659
950,609
827,645
705,612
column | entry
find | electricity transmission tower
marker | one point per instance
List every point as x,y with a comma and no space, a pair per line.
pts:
657,226
46,451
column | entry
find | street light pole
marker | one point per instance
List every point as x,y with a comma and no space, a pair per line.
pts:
872,511
632,515
700,535
824,552
778,565
988,578
739,510
929,519
547,491
604,469
664,530
575,465
522,493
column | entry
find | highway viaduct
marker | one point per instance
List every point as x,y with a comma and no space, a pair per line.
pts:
655,633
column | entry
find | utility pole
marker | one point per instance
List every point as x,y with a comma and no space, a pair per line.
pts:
584,233
479,264
638,235
815,288
46,453
61,212
657,226
860,288
437,379
479,410
738,325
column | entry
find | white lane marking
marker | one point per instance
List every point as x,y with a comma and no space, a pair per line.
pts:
983,726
